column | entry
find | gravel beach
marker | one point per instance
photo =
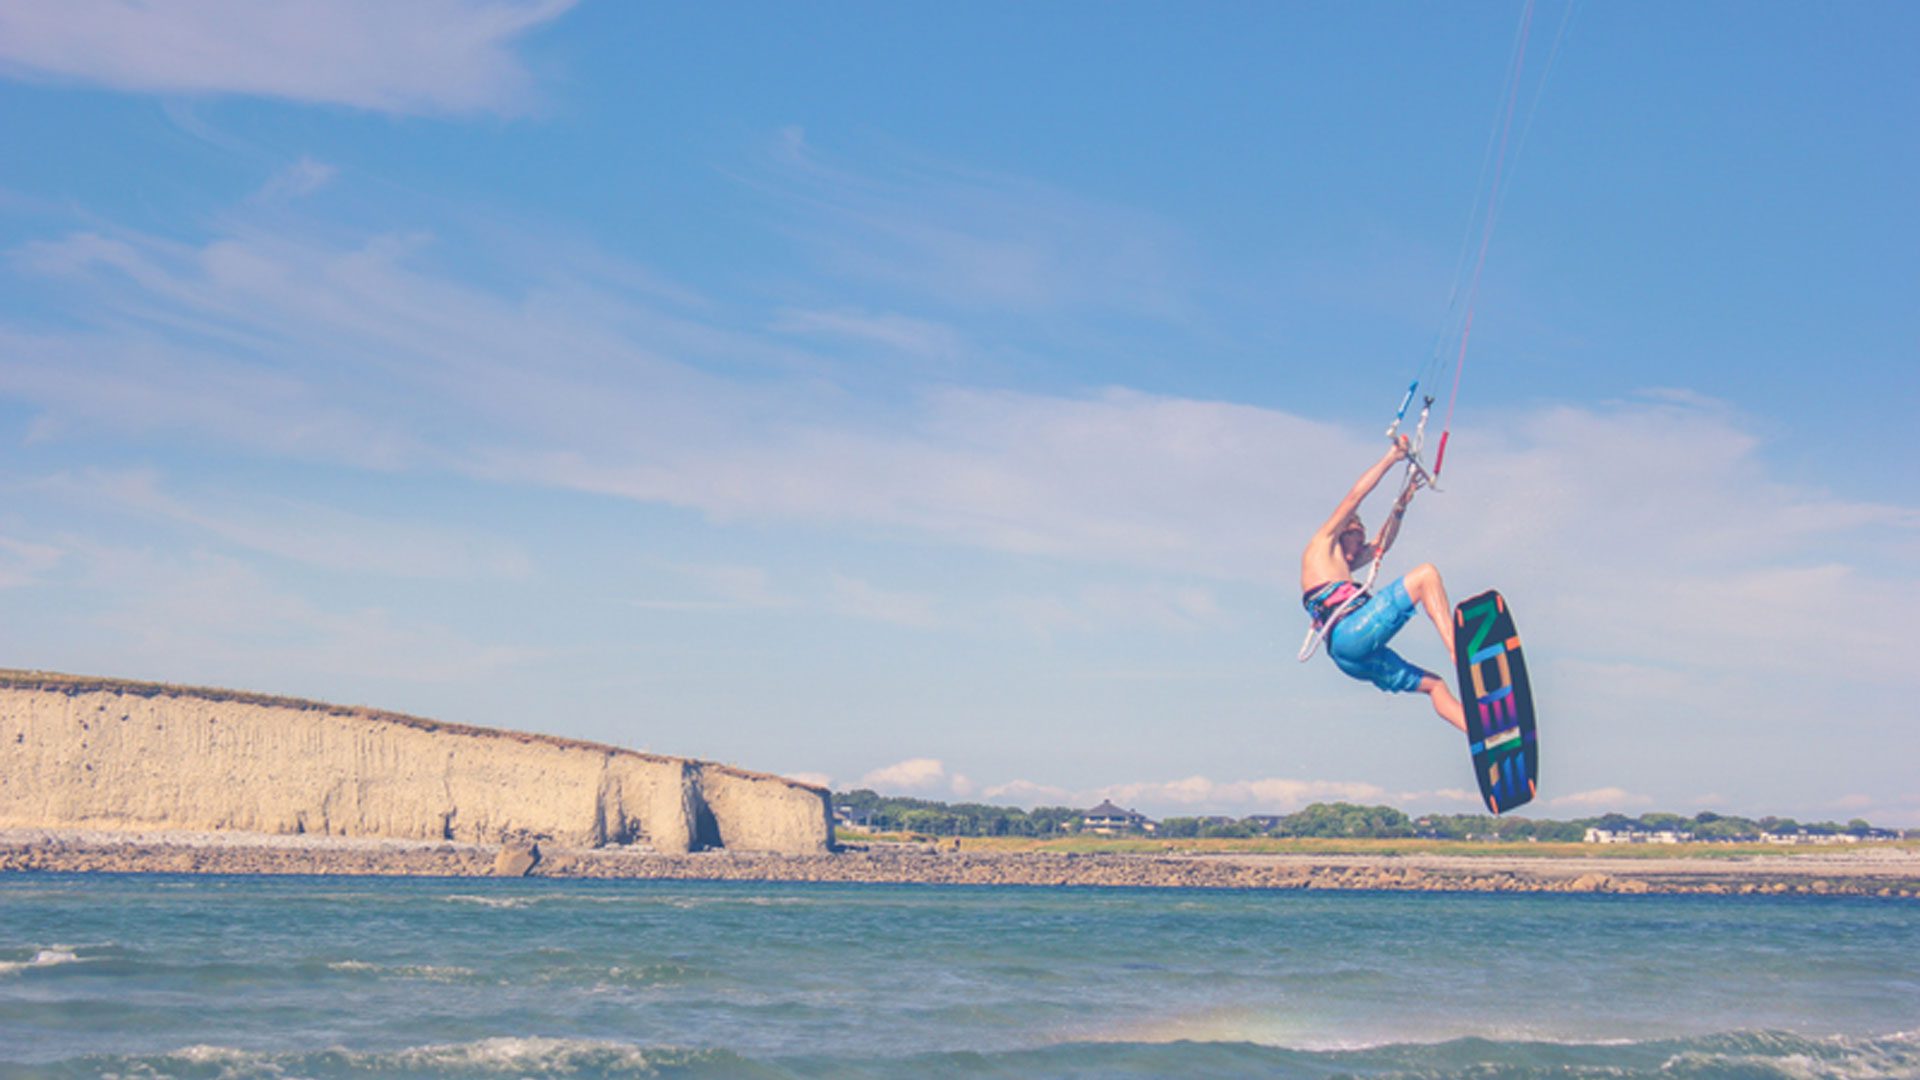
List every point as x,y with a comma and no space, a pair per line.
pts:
1884,872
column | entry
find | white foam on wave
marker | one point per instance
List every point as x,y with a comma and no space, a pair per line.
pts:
433,972
1894,1056
491,901
509,1056
1832,1057
536,1056
1321,1035
216,1055
45,958
1231,1024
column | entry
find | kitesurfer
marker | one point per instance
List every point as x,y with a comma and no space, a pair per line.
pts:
1363,622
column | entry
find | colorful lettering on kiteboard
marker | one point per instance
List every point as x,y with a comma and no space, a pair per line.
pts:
1498,699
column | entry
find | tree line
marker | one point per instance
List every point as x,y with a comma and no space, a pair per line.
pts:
927,817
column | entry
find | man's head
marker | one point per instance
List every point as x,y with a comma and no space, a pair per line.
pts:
1352,540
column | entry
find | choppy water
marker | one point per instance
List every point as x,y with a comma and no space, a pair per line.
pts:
315,977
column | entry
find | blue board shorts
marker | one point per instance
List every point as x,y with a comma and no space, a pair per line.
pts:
1358,642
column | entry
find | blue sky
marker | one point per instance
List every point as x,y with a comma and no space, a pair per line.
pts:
937,398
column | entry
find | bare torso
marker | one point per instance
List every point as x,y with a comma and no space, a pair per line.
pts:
1322,562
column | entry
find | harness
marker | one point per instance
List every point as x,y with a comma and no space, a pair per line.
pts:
1332,602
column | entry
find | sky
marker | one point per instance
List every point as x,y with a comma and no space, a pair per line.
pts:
937,398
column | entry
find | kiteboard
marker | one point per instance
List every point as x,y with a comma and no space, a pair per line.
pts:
1498,700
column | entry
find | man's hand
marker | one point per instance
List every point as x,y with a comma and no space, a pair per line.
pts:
1402,449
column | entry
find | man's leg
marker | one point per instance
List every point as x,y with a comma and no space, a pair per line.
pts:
1444,702
1426,589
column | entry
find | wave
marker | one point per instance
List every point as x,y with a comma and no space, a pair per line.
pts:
509,902
44,958
427,972
1760,1055
676,902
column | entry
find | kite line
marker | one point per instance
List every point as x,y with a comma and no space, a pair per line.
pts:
1497,162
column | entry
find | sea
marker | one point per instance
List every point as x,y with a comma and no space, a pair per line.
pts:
154,976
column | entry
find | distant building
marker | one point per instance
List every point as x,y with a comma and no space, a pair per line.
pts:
1111,820
1637,836
1265,822
852,819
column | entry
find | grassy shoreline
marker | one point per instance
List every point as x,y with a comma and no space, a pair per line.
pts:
1140,845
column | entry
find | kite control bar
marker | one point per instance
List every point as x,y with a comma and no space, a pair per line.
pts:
1417,473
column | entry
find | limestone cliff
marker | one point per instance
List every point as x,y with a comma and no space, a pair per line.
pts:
102,753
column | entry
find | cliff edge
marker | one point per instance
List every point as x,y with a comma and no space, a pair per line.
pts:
92,753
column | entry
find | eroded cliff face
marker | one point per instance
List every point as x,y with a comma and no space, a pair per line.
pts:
98,753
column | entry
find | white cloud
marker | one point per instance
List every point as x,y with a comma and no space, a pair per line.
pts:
297,181
897,333
422,373
1163,608
913,774
1026,793
565,395
864,600
23,562
1273,793
213,618
726,587
1204,795
972,239
424,56
300,531
1600,800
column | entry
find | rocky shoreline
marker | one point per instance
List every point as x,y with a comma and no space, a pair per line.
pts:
1892,873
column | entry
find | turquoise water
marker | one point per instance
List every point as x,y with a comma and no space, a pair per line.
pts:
163,976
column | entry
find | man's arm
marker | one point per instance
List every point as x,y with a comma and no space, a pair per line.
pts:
1390,528
1365,485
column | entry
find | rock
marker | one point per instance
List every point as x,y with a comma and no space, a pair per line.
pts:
516,860
1591,883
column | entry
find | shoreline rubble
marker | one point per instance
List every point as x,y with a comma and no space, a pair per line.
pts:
1879,873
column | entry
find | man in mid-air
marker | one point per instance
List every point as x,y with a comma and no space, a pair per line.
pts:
1363,623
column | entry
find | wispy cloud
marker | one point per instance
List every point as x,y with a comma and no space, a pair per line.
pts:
426,56
914,774
303,532
1195,795
864,600
1600,800
357,356
24,562
1114,608
976,240
723,587
1026,793
215,618
917,338
1200,792
297,181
